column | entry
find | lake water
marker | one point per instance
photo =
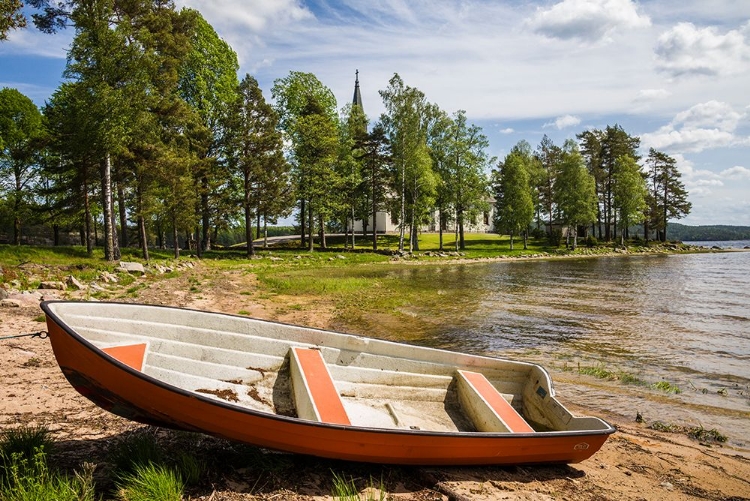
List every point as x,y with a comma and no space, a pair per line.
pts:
683,319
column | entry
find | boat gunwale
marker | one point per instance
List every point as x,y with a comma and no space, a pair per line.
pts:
45,305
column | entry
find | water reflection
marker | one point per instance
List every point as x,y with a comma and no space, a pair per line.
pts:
679,318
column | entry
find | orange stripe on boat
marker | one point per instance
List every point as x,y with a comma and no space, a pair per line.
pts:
515,422
131,355
323,392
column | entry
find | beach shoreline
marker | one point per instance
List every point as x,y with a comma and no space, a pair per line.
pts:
635,463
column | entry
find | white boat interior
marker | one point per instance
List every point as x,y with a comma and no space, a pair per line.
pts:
329,377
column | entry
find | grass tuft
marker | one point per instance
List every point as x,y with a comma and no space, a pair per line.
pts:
343,489
136,450
26,441
666,386
30,479
151,483
190,468
695,432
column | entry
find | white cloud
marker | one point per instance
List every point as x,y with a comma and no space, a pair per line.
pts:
652,94
257,15
563,122
688,50
708,182
30,41
587,20
509,130
736,172
704,126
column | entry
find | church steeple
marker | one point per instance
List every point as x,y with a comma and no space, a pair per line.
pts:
357,96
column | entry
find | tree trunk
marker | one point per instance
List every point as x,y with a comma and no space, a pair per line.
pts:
142,237
16,231
374,224
440,228
87,216
106,173
250,248
205,243
310,226
455,234
511,240
403,209
175,236
115,239
322,232
462,244
123,213
525,239
198,249
302,218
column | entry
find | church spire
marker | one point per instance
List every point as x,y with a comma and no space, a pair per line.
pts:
357,96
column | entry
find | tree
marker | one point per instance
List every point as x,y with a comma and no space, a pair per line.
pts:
75,172
208,83
254,152
466,163
601,150
667,193
302,101
629,193
405,123
575,192
11,17
373,150
514,206
439,141
350,165
548,159
20,132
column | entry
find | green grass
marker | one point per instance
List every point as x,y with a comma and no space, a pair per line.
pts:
695,432
343,489
30,479
666,387
25,474
151,483
600,372
136,450
26,441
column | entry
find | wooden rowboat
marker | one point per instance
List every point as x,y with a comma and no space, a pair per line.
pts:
312,391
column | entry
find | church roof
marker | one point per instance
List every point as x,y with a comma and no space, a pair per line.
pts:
357,95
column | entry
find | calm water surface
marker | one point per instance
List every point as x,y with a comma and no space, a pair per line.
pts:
684,319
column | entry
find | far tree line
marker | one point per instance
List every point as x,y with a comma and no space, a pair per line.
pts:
153,134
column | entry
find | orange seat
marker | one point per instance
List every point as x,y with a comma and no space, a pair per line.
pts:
487,407
315,394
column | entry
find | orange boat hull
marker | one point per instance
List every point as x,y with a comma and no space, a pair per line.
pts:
123,390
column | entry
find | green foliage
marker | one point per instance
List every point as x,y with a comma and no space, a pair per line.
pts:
514,206
21,133
136,450
343,489
30,479
666,387
150,483
694,432
254,152
190,468
683,232
11,17
26,441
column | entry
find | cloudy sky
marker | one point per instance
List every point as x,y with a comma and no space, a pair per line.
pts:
674,72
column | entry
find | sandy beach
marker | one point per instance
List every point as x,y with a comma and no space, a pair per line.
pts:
636,463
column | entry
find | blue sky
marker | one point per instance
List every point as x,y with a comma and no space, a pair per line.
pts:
674,72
